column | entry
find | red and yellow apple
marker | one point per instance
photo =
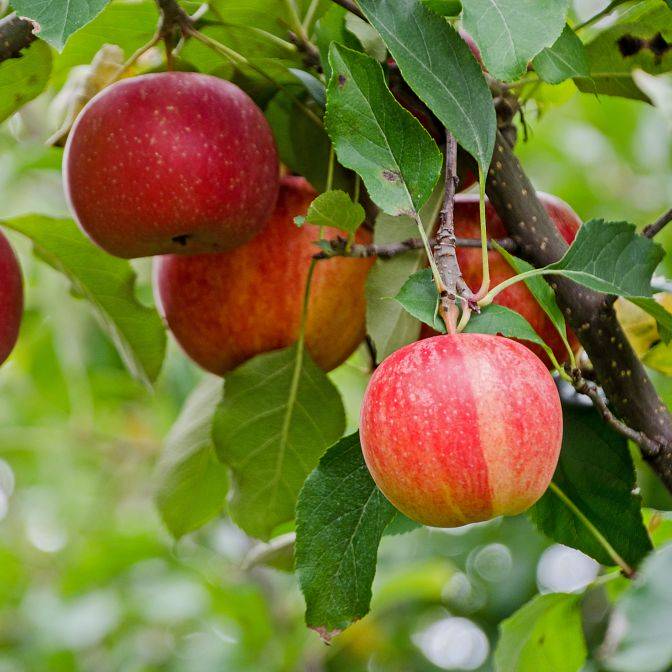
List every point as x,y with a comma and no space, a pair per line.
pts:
11,298
459,429
175,162
517,297
225,308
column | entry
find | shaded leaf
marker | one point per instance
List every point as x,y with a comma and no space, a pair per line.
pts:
191,483
279,414
545,634
24,78
510,33
373,135
107,283
565,58
331,28
439,66
341,516
595,473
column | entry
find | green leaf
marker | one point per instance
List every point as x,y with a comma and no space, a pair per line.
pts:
303,145
641,620
335,209
279,414
59,19
107,283
510,33
341,517
24,78
596,475
191,483
128,24
420,299
541,291
439,66
445,7
387,323
368,37
545,634
565,58
620,49
373,135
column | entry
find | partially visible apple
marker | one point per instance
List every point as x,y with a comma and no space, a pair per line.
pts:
226,308
175,162
11,298
459,429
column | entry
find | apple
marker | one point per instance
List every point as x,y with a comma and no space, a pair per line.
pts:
175,162
11,298
459,429
225,308
517,297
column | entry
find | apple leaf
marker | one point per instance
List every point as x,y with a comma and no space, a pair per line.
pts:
544,634
331,28
594,481
279,414
107,283
22,79
419,298
565,58
620,49
341,517
641,620
191,483
373,135
59,19
387,323
509,33
541,290
445,7
439,66
336,209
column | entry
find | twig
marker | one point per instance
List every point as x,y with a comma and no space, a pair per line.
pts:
15,34
654,229
351,7
338,247
601,14
444,248
590,389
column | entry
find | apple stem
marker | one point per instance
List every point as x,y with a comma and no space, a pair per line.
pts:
485,284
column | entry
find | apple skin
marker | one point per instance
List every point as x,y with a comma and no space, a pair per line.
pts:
225,308
459,429
174,162
11,298
517,297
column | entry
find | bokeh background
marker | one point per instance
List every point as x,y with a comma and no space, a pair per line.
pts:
89,577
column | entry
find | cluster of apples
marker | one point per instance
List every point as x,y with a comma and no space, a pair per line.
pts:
183,166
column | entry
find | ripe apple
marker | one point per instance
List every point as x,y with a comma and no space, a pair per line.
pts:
175,162
11,298
517,297
458,429
226,308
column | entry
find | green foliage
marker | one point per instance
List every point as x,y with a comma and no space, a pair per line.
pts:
641,620
272,447
376,137
544,635
440,68
191,484
22,79
509,33
60,18
336,209
565,58
341,516
107,283
593,482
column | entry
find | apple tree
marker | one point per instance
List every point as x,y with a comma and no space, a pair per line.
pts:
298,171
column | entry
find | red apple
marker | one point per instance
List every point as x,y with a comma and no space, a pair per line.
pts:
226,308
458,429
11,298
175,162
517,297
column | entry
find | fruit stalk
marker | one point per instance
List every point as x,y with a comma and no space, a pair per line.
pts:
590,314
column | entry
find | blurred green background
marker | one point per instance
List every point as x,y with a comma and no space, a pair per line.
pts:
89,578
